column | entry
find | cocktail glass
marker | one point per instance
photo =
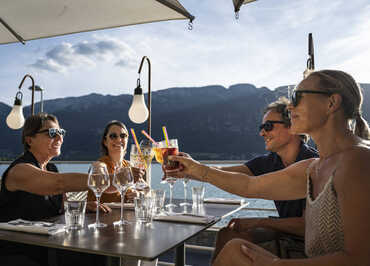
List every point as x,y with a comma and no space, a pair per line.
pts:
162,151
141,161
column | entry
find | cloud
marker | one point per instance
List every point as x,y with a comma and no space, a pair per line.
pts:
67,56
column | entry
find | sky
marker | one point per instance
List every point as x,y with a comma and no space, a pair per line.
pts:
266,46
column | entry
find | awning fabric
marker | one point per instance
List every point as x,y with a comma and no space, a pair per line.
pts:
239,3
23,20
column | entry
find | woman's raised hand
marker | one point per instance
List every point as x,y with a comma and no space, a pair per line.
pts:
137,173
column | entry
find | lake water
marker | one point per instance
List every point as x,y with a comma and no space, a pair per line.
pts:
156,176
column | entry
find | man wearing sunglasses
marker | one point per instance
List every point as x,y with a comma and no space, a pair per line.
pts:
276,235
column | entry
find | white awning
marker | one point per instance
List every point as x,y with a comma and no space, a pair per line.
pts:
23,20
239,3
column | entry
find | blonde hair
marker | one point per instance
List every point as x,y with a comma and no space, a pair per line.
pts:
344,84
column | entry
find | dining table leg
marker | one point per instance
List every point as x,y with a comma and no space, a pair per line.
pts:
180,255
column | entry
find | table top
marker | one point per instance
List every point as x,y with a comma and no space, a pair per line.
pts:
134,240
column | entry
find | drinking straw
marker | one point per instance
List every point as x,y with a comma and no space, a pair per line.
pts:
165,135
138,146
149,137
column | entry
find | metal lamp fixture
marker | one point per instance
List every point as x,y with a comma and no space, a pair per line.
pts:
138,112
311,60
41,90
15,119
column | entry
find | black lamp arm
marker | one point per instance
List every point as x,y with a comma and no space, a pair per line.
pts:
33,91
149,92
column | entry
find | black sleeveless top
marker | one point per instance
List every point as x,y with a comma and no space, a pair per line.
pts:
25,205
28,206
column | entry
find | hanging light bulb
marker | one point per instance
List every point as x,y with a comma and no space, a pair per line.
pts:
138,112
15,119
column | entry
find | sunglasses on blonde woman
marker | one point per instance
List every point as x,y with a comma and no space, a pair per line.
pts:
297,95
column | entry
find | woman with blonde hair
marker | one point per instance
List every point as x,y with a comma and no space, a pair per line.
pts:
327,106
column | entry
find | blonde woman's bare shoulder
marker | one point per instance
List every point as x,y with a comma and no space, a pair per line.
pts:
356,160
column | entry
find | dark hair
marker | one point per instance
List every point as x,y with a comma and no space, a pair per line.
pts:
344,84
280,106
33,124
104,149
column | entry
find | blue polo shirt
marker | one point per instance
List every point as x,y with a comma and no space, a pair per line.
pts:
272,162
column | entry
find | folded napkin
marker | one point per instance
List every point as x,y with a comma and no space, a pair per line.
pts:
185,218
117,205
222,201
36,227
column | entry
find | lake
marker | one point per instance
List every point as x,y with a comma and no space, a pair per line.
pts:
210,190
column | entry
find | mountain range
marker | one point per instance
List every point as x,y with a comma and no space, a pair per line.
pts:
210,123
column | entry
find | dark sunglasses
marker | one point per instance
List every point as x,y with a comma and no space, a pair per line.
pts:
114,136
269,125
53,132
297,95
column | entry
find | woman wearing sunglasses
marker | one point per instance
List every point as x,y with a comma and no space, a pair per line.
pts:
327,106
32,189
113,148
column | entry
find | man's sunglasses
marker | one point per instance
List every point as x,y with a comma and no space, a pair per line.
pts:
114,136
269,125
297,95
53,132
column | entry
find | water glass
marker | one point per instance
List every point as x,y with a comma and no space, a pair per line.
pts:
143,209
197,195
158,196
74,214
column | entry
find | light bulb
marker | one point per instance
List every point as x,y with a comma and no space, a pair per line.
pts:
138,111
15,119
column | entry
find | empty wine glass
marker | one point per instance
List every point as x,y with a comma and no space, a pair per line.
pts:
122,180
98,181
185,181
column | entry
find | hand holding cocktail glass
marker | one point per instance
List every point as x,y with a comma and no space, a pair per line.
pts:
188,168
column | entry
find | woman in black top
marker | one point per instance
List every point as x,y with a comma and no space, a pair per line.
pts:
32,188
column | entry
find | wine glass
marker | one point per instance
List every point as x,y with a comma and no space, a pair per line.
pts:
185,181
161,154
122,180
138,161
98,181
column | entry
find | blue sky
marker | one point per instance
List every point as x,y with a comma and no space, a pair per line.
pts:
267,46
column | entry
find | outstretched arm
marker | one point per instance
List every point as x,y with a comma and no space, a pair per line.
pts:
29,178
286,184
